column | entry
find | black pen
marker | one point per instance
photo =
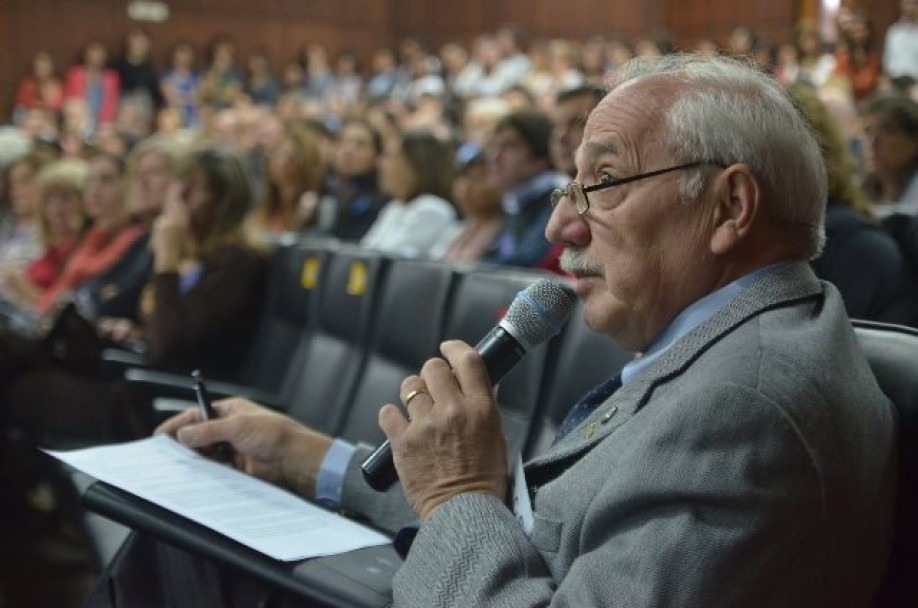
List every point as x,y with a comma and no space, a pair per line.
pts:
222,451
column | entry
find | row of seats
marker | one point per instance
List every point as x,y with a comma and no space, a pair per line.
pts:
342,326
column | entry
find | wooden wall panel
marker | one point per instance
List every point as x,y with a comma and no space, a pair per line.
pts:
694,20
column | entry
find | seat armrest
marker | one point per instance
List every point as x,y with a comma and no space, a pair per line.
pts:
158,384
165,385
116,361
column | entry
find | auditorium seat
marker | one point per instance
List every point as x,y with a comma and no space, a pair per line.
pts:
281,339
321,389
291,302
892,351
481,299
407,330
582,360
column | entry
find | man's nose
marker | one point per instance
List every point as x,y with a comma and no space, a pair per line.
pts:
565,226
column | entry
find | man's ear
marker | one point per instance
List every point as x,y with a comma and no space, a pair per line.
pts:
737,203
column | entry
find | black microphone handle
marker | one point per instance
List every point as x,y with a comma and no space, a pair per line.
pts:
500,352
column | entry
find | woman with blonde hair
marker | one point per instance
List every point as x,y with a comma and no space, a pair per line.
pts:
152,167
859,257
61,222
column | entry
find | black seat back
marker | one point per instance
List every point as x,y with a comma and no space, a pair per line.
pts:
407,329
323,386
582,360
295,275
892,352
482,298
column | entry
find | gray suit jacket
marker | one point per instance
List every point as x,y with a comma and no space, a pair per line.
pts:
751,465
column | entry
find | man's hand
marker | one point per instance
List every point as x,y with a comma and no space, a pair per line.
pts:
453,443
266,444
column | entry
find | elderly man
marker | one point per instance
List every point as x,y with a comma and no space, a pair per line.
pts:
746,459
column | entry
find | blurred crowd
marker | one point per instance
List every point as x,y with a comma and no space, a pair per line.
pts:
145,197
451,154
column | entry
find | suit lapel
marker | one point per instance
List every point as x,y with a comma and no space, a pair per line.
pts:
788,284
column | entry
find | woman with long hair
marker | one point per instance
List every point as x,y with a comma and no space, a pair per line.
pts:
891,150
111,234
354,187
197,312
295,171
198,308
417,172
859,257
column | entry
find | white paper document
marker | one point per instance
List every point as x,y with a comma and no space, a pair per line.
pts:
248,510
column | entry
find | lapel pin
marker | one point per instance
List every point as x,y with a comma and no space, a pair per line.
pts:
608,415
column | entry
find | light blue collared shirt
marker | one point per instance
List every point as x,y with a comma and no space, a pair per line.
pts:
690,318
334,466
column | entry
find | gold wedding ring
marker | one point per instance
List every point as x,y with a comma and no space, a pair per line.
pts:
411,396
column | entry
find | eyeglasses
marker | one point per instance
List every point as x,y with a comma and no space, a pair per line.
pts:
577,192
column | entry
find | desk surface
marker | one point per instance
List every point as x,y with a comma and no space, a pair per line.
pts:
358,578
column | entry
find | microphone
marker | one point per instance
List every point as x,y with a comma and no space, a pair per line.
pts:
535,315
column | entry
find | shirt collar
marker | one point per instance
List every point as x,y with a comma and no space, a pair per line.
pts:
516,200
691,317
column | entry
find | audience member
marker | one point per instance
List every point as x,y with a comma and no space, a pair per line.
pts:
21,244
485,77
384,77
417,172
708,460
61,221
891,154
815,65
900,53
319,74
198,312
742,41
207,274
519,161
93,88
41,89
181,83
571,110
295,170
593,61
514,64
856,59
481,116
347,90
787,65
111,234
358,199
152,166
138,76
860,258
479,202
221,84
261,87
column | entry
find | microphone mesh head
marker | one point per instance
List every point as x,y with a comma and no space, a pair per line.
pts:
538,312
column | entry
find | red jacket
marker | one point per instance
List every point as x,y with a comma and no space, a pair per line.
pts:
75,88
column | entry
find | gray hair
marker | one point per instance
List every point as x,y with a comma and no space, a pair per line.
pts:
730,112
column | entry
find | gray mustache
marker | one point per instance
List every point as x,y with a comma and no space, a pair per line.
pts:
574,262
